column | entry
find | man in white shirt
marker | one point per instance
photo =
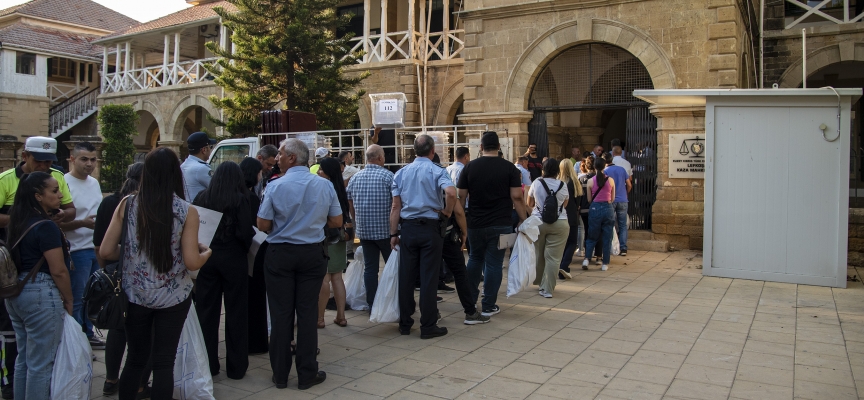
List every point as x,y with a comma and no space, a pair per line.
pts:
463,156
618,160
347,159
87,193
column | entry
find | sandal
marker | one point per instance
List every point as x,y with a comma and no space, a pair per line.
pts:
341,322
320,323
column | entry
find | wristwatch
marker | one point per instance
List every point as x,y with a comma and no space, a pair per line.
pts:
392,235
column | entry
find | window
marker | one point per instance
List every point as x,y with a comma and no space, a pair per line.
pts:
62,67
234,153
356,24
25,63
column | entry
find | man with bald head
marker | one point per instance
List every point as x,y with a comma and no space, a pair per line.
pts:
370,201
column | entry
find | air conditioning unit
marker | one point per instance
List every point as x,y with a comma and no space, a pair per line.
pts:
208,30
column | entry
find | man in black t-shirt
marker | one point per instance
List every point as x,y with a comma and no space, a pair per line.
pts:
535,163
495,187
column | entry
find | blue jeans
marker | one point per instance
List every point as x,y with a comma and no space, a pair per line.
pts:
601,219
84,264
371,250
485,258
37,317
621,221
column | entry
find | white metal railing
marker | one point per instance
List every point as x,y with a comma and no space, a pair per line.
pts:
404,45
827,9
62,91
158,76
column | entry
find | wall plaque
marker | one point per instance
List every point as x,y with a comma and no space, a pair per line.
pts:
687,156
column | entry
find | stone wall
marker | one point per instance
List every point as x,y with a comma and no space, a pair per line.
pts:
23,116
856,237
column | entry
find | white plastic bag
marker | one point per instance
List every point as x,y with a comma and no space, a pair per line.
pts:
386,305
73,365
522,269
355,287
616,245
192,380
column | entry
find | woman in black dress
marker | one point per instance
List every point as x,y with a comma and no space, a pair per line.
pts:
258,335
227,272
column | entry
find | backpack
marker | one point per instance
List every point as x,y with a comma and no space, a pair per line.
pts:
550,212
10,286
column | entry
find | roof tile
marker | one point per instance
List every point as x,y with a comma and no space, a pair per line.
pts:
80,12
191,14
49,40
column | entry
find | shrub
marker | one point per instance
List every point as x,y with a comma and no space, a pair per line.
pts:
118,123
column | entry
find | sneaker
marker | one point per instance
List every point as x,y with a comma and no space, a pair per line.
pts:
96,343
545,294
585,264
442,288
488,312
110,388
597,261
623,253
604,267
439,299
565,274
476,318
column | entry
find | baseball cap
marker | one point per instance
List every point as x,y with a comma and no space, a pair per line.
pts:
41,148
199,140
321,152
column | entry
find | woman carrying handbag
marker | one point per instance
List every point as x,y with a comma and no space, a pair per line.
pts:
332,171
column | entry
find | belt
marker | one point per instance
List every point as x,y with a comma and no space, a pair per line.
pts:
421,221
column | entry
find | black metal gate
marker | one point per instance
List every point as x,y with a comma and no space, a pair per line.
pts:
642,154
538,133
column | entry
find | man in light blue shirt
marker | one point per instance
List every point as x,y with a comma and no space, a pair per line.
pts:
522,166
196,171
422,213
294,212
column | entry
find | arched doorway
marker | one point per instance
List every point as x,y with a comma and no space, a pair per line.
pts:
190,120
586,94
148,134
848,74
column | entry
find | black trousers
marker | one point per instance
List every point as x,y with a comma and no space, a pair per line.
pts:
294,273
141,323
10,348
455,262
371,250
225,273
115,346
420,250
258,335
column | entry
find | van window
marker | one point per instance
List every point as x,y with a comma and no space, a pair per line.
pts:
234,152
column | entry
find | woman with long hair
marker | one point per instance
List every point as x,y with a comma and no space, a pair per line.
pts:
227,272
567,174
37,312
331,170
115,343
601,217
586,172
257,304
549,246
161,247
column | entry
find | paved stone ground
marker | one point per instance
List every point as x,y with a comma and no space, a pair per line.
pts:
651,327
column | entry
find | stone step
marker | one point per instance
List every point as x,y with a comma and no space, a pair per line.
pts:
661,246
639,235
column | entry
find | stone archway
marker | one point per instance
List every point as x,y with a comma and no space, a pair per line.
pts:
174,132
821,58
446,110
562,37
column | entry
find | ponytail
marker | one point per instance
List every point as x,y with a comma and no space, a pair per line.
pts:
599,166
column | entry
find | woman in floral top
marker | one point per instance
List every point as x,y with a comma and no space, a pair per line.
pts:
161,248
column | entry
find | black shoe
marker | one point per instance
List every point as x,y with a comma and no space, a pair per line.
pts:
404,331
107,389
331,304
433,333
439,299
623,253
279,385
449,279
488,312
96,343
144,394
320,377
9,394
442,288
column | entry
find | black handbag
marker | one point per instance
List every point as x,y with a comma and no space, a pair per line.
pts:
104,298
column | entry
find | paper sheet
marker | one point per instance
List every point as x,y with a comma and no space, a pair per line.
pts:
209,220
259,238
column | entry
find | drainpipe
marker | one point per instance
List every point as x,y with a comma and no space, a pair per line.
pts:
804,56
762,45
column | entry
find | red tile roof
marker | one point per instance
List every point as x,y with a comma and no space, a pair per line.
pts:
80,12
191,14
49,40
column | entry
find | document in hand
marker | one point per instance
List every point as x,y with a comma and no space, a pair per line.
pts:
209,221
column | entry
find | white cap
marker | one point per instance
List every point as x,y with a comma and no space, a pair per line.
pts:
321,152
41,148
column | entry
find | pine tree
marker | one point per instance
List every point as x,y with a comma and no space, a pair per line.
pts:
285,51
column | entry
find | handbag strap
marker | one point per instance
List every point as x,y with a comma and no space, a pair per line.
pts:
26,231
599,188
125,228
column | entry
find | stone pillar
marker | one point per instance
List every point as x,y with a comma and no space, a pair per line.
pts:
513,124
678,213
171,144
411,88
9,147
587,137
96,141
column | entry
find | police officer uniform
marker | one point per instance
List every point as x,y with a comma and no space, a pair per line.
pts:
196,172
419,186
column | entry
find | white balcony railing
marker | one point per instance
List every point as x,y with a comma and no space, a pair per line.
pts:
158,76
836,11
404,45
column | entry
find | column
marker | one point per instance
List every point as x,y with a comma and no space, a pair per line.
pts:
223,40
411,43
165,60
423,51
78,76
104,77
126,62
366,11
176,58
383,41
446,32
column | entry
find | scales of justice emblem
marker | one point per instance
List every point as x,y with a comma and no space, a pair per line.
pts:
692,147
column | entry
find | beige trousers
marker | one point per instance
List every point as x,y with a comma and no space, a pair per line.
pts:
549,248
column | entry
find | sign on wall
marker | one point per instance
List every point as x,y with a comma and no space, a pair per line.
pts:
687,156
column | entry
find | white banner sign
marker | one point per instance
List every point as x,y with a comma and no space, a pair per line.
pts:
687,156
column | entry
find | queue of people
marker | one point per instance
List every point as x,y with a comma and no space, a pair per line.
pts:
427,213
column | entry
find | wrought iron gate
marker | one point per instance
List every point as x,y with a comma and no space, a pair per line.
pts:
538,133
642,154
